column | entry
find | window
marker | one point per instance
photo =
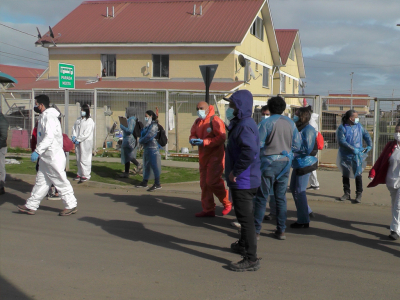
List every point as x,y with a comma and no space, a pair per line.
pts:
108,65
294,87
265,77
160,65
247,71
291,54
283,83
340,107
257,29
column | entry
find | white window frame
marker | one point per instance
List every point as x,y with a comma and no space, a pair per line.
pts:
257,29
283,83
265,77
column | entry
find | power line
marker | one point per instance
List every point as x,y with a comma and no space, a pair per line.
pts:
23,56
24,49
19,30
340,63
24,60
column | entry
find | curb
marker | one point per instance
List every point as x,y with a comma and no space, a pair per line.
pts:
96,184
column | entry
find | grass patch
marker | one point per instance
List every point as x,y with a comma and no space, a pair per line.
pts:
108,172
18,150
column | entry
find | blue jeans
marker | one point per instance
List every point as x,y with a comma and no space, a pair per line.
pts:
268,181
272,205
298,186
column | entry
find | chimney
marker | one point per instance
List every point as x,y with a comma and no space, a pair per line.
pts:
194,10
107,12
113,11
201,10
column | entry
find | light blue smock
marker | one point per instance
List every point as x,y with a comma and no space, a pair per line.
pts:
151,154
302,158
128,147
350,137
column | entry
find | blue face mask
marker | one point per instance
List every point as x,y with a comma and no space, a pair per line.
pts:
356,120
229,113
146,118
295,118
201,113
83,113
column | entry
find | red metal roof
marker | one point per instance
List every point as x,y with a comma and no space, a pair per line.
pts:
347,101
285,39
157,21
22,74
150,84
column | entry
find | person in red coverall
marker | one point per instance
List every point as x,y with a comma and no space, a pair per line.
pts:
208,132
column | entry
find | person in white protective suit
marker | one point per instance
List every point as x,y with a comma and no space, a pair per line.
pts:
82,136
52,162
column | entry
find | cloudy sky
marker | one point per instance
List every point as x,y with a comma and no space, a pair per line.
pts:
338,37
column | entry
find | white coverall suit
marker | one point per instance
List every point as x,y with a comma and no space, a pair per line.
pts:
314,123
52,162
83,131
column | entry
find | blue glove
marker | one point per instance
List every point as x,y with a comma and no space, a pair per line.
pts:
369,148
356,151
73,139
123,127
34,156
198,142
77,143
192,141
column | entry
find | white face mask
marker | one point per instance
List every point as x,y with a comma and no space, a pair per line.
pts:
266,116
397,136
83,113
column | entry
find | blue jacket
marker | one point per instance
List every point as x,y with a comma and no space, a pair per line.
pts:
243,151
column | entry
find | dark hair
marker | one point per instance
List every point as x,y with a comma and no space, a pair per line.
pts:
86,109
264,108
152,114
276,105
304,115
43,99
347,116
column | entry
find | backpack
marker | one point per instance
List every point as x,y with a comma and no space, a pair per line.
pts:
161,136
68,145
138,129
320,141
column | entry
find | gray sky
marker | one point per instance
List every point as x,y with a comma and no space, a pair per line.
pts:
337,36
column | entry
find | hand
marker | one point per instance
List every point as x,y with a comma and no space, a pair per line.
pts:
77,143
356,151
191,141
231,177
123,127
73,139
369,148
34,156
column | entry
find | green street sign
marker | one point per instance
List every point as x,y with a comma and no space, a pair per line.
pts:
66,76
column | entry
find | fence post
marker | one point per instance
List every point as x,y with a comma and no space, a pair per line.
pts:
66,125
95,121
318,110
376,130
166,120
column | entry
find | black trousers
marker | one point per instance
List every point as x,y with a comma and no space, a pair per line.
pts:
243,203
128,164
359,185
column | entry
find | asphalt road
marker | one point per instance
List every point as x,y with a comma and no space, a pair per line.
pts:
129,244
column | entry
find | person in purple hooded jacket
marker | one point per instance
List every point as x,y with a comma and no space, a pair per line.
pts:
243,175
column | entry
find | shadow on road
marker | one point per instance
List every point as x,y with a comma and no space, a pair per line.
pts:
10,292
174,208
136,232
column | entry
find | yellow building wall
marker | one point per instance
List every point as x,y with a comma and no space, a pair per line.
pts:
346,108
133,65
260,50
86,65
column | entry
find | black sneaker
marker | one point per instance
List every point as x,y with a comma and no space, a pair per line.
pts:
245,265
154,187
142,185
311,215
269,217
345,197
312,187
235,247
358,198
393,235
280,235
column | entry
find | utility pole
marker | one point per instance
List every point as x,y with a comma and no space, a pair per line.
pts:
351,97
392,107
